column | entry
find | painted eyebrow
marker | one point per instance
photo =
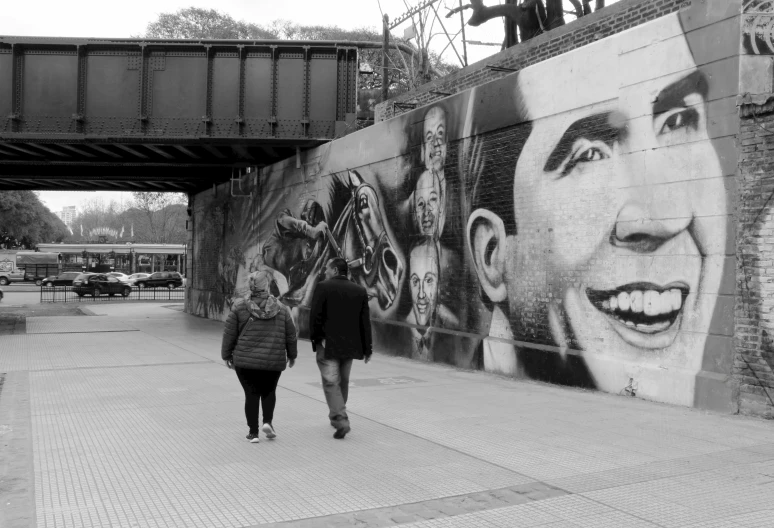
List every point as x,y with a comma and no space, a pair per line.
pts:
596,127
673,96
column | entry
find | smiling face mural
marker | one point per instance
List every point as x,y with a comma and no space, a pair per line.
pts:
622,204
576,236
424,281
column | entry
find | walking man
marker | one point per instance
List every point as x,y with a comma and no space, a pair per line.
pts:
341,332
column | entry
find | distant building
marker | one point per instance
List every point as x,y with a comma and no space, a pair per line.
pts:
68,215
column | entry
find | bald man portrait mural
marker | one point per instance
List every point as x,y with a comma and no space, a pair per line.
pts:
565,223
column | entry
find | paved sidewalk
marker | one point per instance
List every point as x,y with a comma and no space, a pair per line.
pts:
130,419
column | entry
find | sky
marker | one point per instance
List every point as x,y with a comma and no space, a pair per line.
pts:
107,19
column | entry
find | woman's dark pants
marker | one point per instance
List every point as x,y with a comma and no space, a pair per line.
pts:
259,385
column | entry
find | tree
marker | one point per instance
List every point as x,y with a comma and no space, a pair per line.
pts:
160,217
96,214
25,221
529,17
197,23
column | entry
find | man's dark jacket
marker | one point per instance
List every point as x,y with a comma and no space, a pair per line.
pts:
340,315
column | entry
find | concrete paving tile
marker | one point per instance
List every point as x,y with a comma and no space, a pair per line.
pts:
148,430
755,519
65,325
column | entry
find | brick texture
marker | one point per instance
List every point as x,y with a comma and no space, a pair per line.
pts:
754,330
615,18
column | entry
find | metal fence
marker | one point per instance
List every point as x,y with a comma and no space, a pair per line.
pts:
63,294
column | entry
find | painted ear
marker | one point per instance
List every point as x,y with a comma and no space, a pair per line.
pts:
488,244
355,180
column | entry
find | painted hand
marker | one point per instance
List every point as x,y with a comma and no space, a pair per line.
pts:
319,229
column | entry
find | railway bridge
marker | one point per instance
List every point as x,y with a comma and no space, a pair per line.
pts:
165,115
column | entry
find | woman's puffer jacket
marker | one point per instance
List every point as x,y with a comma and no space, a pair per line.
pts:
268,341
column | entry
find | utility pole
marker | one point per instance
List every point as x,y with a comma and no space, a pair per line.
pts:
385,45
464,43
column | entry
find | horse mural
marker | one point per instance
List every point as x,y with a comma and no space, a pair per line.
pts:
360,237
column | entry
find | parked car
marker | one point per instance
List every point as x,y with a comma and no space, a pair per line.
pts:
161,279
95,284
120,276
132,279
63,279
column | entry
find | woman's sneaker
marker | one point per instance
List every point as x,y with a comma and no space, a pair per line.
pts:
253,438
269,431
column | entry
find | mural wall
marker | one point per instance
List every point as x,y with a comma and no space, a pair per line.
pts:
566,223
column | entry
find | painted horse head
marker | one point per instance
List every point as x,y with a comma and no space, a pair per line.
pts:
363,241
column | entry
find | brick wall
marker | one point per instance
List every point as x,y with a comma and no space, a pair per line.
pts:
754,336
615,18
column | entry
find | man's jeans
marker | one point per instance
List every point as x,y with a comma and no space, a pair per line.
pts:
335,382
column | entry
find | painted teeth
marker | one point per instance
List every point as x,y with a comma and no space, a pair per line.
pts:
649,302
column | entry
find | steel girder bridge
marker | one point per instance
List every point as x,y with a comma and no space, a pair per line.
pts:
165,115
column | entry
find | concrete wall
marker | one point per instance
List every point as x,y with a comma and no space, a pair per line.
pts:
573,222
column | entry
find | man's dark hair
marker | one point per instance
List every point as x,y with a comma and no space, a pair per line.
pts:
502,129
340,265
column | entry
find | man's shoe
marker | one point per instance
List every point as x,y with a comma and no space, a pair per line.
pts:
269,431
341,432
253,438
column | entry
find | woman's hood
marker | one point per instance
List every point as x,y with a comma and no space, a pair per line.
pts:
269,310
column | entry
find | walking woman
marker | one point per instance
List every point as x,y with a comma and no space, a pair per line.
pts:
258,341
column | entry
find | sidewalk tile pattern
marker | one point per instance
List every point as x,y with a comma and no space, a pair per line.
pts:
69,351
105,439
72,324
146,429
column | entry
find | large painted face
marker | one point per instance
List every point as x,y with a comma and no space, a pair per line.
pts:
424,282
427,204
434,139
619,196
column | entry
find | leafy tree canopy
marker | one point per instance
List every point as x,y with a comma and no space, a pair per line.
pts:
25,222
152,218
197,23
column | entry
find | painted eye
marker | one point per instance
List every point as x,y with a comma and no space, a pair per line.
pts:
687,118
586,152
592,154
415,281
